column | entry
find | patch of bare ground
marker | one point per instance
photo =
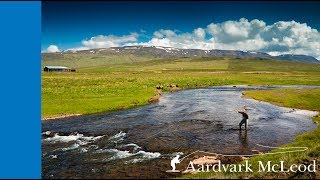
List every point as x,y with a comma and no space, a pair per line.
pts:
59,116
264,72
157,95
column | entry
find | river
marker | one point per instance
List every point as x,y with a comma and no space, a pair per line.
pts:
139,142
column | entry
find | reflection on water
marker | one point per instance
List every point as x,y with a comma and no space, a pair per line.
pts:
126,143
243,139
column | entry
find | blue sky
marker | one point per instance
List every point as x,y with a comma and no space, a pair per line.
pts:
67,25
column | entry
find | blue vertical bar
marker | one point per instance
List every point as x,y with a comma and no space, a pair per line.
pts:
20,90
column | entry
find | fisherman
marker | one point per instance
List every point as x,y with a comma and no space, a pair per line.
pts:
245,118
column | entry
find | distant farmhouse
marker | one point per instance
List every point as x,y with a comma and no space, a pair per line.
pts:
57,69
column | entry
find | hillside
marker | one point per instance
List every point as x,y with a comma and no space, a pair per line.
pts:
134,54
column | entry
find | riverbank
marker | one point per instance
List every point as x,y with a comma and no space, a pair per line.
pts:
59,116
293,98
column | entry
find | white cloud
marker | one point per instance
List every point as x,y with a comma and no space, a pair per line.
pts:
282,37
199,33
52,49
78,49
101,41
235,31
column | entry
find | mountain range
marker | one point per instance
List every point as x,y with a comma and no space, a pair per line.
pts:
169,52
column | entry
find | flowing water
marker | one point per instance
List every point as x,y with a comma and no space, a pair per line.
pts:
139,143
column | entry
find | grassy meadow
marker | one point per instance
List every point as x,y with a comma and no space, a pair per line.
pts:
112,87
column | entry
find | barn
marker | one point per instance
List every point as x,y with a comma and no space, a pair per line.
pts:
57,69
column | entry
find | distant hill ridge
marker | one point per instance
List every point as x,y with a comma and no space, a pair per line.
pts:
169,52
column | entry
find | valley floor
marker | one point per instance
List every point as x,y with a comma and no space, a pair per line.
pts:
108,88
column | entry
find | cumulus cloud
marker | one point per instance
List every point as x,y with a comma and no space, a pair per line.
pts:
169,38
78,48
282,37
52,49
109,41
199,33
236,31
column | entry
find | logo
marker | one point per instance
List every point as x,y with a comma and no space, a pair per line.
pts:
213,163
173,163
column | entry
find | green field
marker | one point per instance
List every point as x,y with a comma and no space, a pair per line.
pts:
111,87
